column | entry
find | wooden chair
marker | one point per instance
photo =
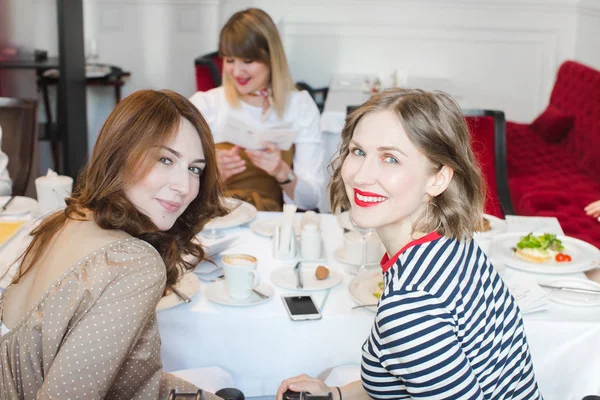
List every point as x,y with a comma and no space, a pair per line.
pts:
18,118
319,95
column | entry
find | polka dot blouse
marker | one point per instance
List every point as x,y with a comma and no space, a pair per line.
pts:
93,335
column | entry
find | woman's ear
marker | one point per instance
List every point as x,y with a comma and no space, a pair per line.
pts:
441,180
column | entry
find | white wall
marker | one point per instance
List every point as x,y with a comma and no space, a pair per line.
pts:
501,54
588,33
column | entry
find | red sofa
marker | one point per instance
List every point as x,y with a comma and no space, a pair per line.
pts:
554,175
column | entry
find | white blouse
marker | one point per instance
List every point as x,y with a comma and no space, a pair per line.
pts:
302,112
5,182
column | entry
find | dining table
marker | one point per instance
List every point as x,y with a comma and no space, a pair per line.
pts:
259,345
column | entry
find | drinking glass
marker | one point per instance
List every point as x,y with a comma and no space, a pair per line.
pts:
364,236
92,55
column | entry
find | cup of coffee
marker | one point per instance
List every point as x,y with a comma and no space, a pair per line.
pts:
353,248
240,274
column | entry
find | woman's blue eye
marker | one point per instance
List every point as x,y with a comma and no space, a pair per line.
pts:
390,159
165,160
195,170
358,152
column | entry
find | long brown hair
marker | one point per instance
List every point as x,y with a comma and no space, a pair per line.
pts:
124,152
251,34
434,123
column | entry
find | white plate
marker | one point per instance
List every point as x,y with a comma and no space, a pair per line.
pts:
188,285
339,255
364,285
574,298
241,213
584,255
286,278
217,292
19,206
267,227
497,226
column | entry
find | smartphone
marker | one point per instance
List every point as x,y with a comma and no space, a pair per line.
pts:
301,308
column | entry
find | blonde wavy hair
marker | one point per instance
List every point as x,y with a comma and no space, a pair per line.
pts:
435,124
251,34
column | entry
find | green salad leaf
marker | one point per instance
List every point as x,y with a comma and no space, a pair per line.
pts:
547,241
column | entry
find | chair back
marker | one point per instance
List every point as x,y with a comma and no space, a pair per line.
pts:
488,142
18,119
209,68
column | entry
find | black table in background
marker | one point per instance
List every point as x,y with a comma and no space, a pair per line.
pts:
50,129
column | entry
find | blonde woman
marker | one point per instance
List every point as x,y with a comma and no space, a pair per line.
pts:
446,325
258,91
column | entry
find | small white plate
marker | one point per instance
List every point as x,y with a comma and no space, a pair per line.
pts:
584,255
364,285
188,285
497,226
339,255
241,213
286,278
574,298
19,206
267,227
217,293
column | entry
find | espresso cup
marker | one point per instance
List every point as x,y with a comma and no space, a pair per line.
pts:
240,274
353,248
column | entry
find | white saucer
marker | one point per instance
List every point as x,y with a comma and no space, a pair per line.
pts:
339,256
574,298
286,278
217,293
19,206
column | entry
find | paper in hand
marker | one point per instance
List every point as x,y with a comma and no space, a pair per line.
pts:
241,134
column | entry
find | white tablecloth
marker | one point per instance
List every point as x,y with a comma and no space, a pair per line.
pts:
260,346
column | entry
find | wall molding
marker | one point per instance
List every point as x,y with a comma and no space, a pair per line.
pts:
546,40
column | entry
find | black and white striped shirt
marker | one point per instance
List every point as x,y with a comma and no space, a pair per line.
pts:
446,328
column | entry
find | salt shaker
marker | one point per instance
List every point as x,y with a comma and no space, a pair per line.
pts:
310,242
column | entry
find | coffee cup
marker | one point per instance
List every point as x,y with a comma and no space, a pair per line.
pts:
240,274
353,248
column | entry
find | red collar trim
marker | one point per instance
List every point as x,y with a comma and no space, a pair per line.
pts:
386,262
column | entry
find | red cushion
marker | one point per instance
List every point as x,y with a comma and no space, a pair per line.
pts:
482,144
553,124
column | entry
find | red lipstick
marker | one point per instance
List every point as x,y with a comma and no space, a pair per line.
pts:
367,199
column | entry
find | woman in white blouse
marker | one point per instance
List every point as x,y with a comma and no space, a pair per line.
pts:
5,182
258,92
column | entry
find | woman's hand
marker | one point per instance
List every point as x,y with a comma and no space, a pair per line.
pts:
593,209
305,383
230,163
269,160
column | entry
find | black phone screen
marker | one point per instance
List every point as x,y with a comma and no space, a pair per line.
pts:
300,305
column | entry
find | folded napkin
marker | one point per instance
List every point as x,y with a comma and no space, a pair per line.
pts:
539,225
287,228
530,297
